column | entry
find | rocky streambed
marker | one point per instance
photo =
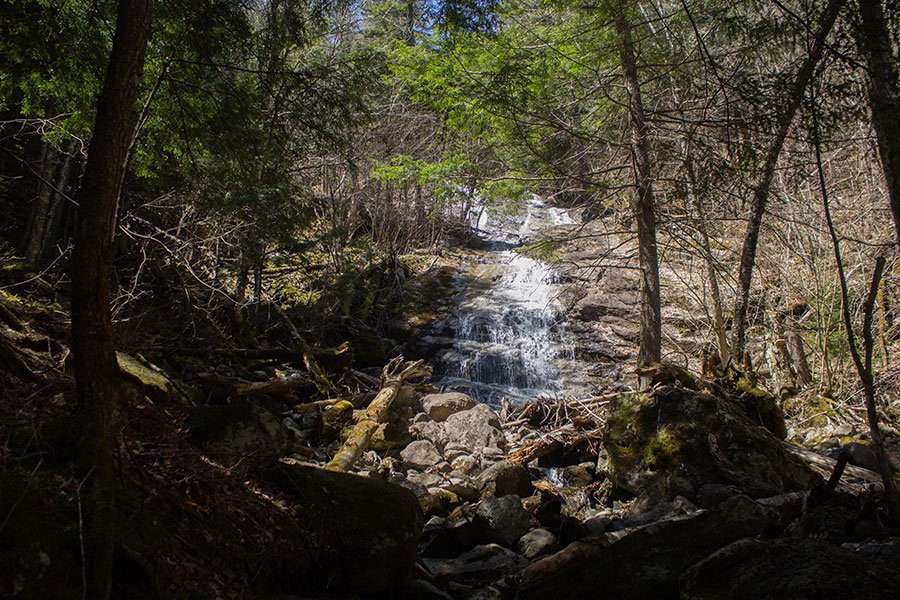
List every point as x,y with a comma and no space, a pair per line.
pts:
686,491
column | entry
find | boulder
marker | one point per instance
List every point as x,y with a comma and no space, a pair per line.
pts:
476,428
674,440
646,562
465,464
504,478
441,406
240,429
800,569
448,538
504,518
536,542
145,378
420,454
434,433
362,532
480,565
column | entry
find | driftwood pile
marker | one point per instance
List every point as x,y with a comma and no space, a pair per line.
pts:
548,425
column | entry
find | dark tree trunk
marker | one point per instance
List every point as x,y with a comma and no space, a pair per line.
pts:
643,200
884,96
37,219
761,193
96,369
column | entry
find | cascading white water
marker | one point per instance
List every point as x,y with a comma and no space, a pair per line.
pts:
509,329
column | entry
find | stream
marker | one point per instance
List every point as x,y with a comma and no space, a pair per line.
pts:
507,337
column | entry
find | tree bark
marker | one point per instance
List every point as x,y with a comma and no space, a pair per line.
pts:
761,193
96,368
715,293
643,201
40,208
884,97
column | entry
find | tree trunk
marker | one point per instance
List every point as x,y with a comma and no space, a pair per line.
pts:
715,293
643,200
96,368
884,96
761,193
798,352
37,220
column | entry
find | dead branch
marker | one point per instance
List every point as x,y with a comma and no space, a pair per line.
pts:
395,374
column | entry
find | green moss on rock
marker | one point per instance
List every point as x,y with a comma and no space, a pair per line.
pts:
677,435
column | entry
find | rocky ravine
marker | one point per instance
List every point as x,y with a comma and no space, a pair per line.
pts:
510,504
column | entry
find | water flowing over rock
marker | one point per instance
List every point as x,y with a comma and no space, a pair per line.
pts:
507,338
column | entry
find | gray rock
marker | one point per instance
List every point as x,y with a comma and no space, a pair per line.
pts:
505,519
461,485
504,478
441,406
453,450
536,543
493,453
801,569
480,565
360,533
431,431
425,480
645,562
478,427
465,464
420,454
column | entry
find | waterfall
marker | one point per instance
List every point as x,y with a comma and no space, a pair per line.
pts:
510,339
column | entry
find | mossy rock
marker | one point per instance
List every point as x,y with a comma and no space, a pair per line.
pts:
149,382
674,440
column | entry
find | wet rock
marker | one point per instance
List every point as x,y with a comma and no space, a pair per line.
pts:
675,440
362,532
504,478
536,543
505,519
480,565
645,562
441,406
798,569
421,454
478,427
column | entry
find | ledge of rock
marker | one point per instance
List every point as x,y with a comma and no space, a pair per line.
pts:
362,531
680,437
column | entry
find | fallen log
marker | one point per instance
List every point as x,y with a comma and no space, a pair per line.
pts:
280,386
395,374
